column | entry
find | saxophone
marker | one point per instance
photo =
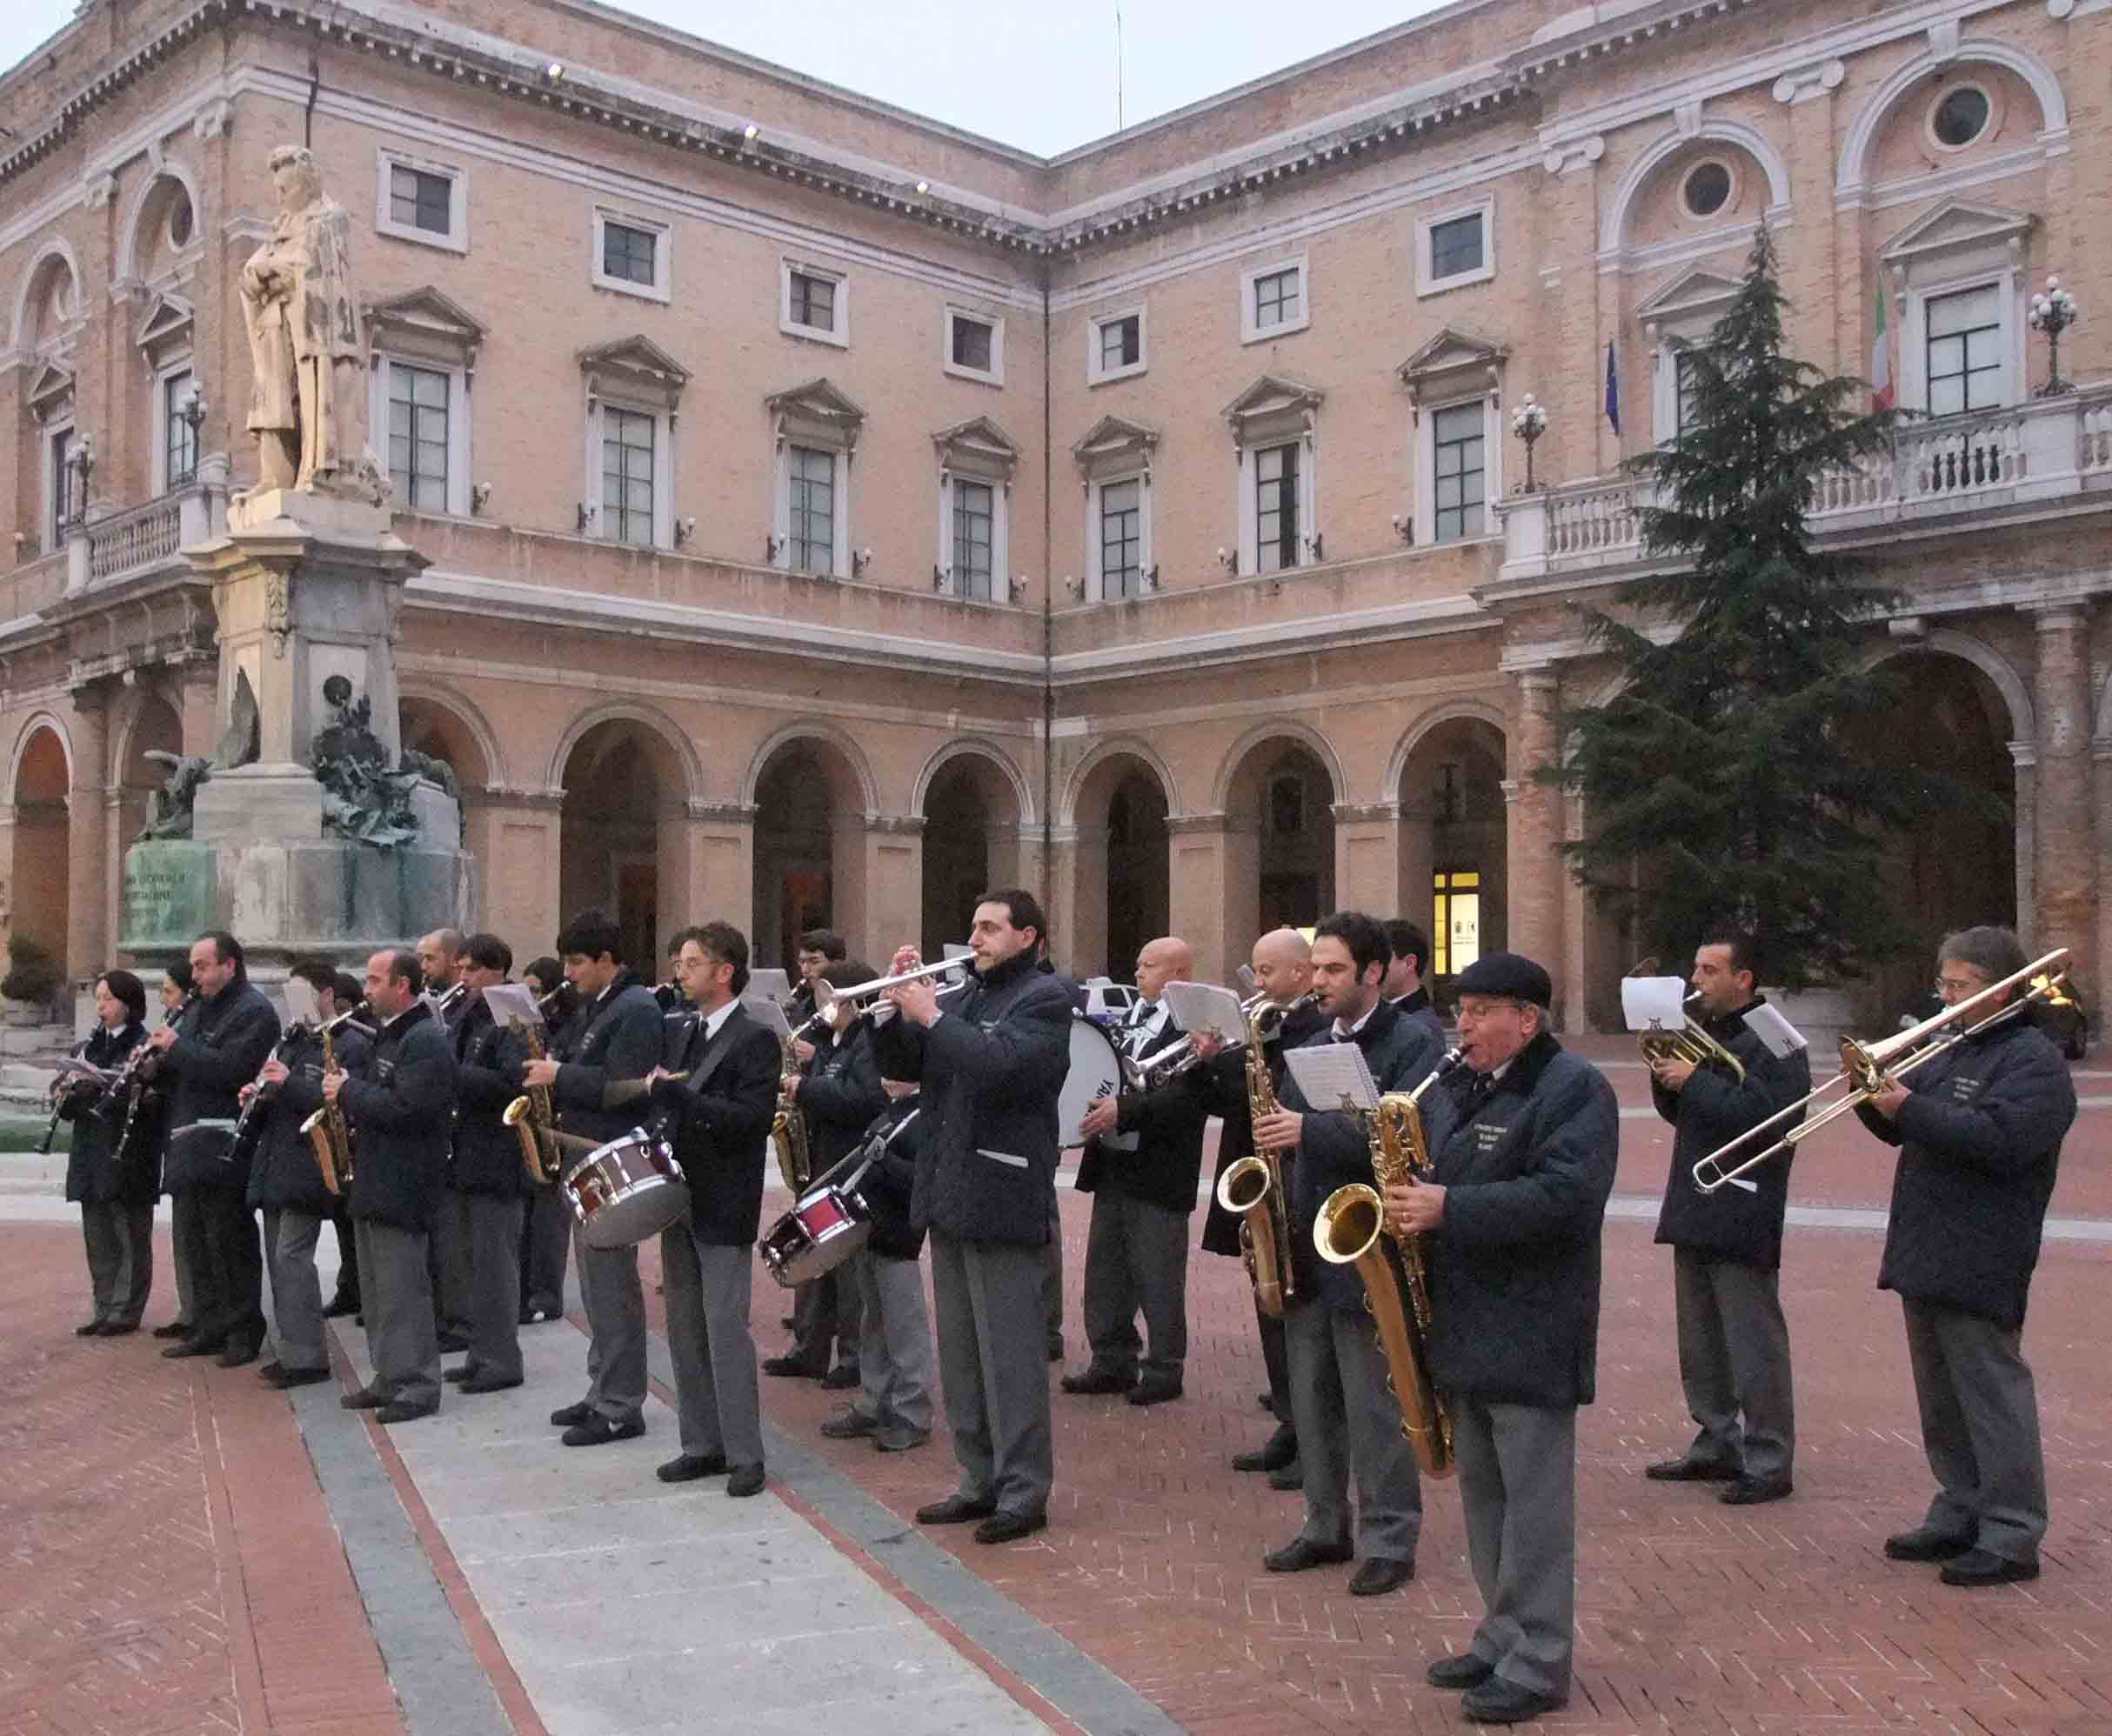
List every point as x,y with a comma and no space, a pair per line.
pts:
533,1114
788,1133
328,1130
1351,1231
1253,1186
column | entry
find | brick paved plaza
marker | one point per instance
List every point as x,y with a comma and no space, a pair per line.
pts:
172,1564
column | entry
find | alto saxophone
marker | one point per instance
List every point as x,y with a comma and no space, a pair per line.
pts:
788,1136
1351,1231
533,1115
328,1130
1253,1186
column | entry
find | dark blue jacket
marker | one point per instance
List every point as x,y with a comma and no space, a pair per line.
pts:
93,1171
840,1093
220,1043
618,1036
285,1177
1222,1090
1157,1153
720,1118
487,1158
893,1143
401,1113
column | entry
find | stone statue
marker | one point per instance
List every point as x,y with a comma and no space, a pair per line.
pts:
363,799
308,402
170,814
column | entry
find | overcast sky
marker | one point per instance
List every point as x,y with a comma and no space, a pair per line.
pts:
1056,88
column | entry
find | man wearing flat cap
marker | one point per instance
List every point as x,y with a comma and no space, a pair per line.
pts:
1522,1153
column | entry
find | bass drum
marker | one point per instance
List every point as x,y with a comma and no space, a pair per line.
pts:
1096,1072
625,1190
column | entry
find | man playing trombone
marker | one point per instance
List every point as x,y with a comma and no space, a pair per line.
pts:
1727,1246
1978,1132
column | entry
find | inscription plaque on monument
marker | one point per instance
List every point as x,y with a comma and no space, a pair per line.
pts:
170,893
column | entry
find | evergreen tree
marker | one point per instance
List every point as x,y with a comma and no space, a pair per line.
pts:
1726,769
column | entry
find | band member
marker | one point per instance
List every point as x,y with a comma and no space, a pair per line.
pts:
1143,1151
720,1110
1979,1130
991,1062
1282,965
213,1051
1522,1159
1404,977
117,1202
175,992
399,1113
344,1299
547,1235
480,1208
1349,1421
286,1182
615,1037
1727,1247
440,956
818,949
1051,1255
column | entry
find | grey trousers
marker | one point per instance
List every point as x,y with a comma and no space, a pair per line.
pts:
396,1295
615,1304
489,1227
1734,1363
1136,1261
182,1255
544,1243
1518,1492
707,1291
1348,1423
290,1240
1051,1279
1979,1427
993,1360
453,1261
120,1244
895,1363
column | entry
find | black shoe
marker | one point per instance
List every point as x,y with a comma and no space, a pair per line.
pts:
1096,1381
1751,1492
404,1413
1280,1450
841,1378
1926,1543
535,1313
792,1368
341,1305
453,1343
691,1466
901,1441
482,1382
1055,1347
1286,1477
1154,1390
92,1330
1010,1527
459,1373
287,1379
240,1353
366,1398
118,1329
1465,1671
175,1329
748,1480
850,1427
566,1415
1690,1470
955,1509
598,1431
195,1347
1378,1576
1984,1567
1300,1554
1267,1401
788,1322
1497,1701
272,1370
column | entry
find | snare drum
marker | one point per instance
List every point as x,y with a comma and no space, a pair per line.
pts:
1096,1072
830,1222
625,1190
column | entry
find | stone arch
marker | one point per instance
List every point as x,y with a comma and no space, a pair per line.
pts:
670,734
54,250
150,716
626,780
1117,806
24,734
1283,728
1279,836
462,726
979,748
40,892
974,805
1449,775
1411,737
2015,693
814,728
812,792
131,227
1754,144
1863,130
1135,748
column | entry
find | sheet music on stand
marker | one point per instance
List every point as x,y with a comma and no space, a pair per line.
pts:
1653,1003
1777,1035
509,1001
768,982
1333,1076
1204,1008
767,1013
300,1001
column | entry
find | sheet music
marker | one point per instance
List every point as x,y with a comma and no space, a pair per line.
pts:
1333,1076
509,1001
1777,1035
300,1001
1206,1007
766,1012
768,983
1653,1003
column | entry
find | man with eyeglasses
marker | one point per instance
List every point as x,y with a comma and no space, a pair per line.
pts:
1979,1130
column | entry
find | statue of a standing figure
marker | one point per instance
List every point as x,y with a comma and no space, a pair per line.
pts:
308,404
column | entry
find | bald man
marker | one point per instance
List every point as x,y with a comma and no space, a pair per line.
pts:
1144,1154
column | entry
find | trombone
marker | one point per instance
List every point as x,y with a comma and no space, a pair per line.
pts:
1869,1067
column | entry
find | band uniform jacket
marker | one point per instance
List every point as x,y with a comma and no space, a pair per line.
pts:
1157,1153
1980,1144
401,1113
991,1068
286,1176
1334,1145
720,1117
488,1058
1713,1109
1416,1006
891,1145
619,1036
219,1046
840,1093
1222,1088
92,1154
1514,1266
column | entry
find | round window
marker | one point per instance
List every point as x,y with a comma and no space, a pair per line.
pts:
1960,116
179,219
1707,188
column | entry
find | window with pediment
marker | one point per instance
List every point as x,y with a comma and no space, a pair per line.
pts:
1114,462
423,371
1956,277
816,428
1273,426
977,460
633,398
1456,388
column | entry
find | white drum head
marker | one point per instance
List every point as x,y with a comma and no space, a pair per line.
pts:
1095,1072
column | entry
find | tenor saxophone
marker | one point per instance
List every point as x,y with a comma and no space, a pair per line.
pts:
788,1135
1351,1231
533,1115
327,1130
1253,1187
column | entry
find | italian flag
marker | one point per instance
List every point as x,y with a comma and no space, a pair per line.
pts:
1881,358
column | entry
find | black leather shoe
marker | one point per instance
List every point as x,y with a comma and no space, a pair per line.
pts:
195,1347
1155,1391
841,1378
1096,1381
1497,1701
1010,1527
481,1382
404,1413
955,1509
1984,1567
850,1427
119,1329
1751,1492
691,1466
453,1343
1055,1347
93,1329
792,1368
457,1374
1300,1554
901,1441
175,1329
272,1370
1926,1543
565,1415
1465,1671
1375,1577
1690,1470
340,1305
1280,1450
745,1481
366,1398
287,1379
240,1354
598,1431
1286,1477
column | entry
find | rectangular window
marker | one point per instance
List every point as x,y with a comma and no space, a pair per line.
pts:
972,343
627,253
626,475
1684,404
1965,351
1121,344
1275,508
1455,246
1460,483
1278,298
812,536
62,487
417,437
179,439
1122,539
813,302
419,199
974,521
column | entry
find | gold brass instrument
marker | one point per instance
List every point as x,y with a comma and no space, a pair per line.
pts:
1253,1187
327,1130
1867,1067
1351,1231
533,1115
788,1132
861,997
1692,1044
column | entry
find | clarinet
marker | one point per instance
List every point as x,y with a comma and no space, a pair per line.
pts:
61,1089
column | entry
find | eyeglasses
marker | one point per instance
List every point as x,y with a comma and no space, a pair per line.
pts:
1951,989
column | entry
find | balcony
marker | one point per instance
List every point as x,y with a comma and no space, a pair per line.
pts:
2038,454
102,551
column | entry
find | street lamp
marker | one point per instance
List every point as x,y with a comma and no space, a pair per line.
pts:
2053,311
1528,423
191,411
80,466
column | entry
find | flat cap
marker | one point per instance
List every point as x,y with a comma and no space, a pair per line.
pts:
1507,976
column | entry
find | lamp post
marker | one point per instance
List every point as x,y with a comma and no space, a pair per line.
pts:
80,466
1528,423
191,411
2053,311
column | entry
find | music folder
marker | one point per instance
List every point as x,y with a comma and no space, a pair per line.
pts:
1204,1009
1777,1035
509,1001
767,982
1653,1003
1333,1076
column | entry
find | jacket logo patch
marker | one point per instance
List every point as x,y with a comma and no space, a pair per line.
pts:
384,1070
1965,1088
1489,1135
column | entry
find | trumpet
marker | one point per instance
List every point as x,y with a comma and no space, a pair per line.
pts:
1691,1042
1867,1068
860,997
